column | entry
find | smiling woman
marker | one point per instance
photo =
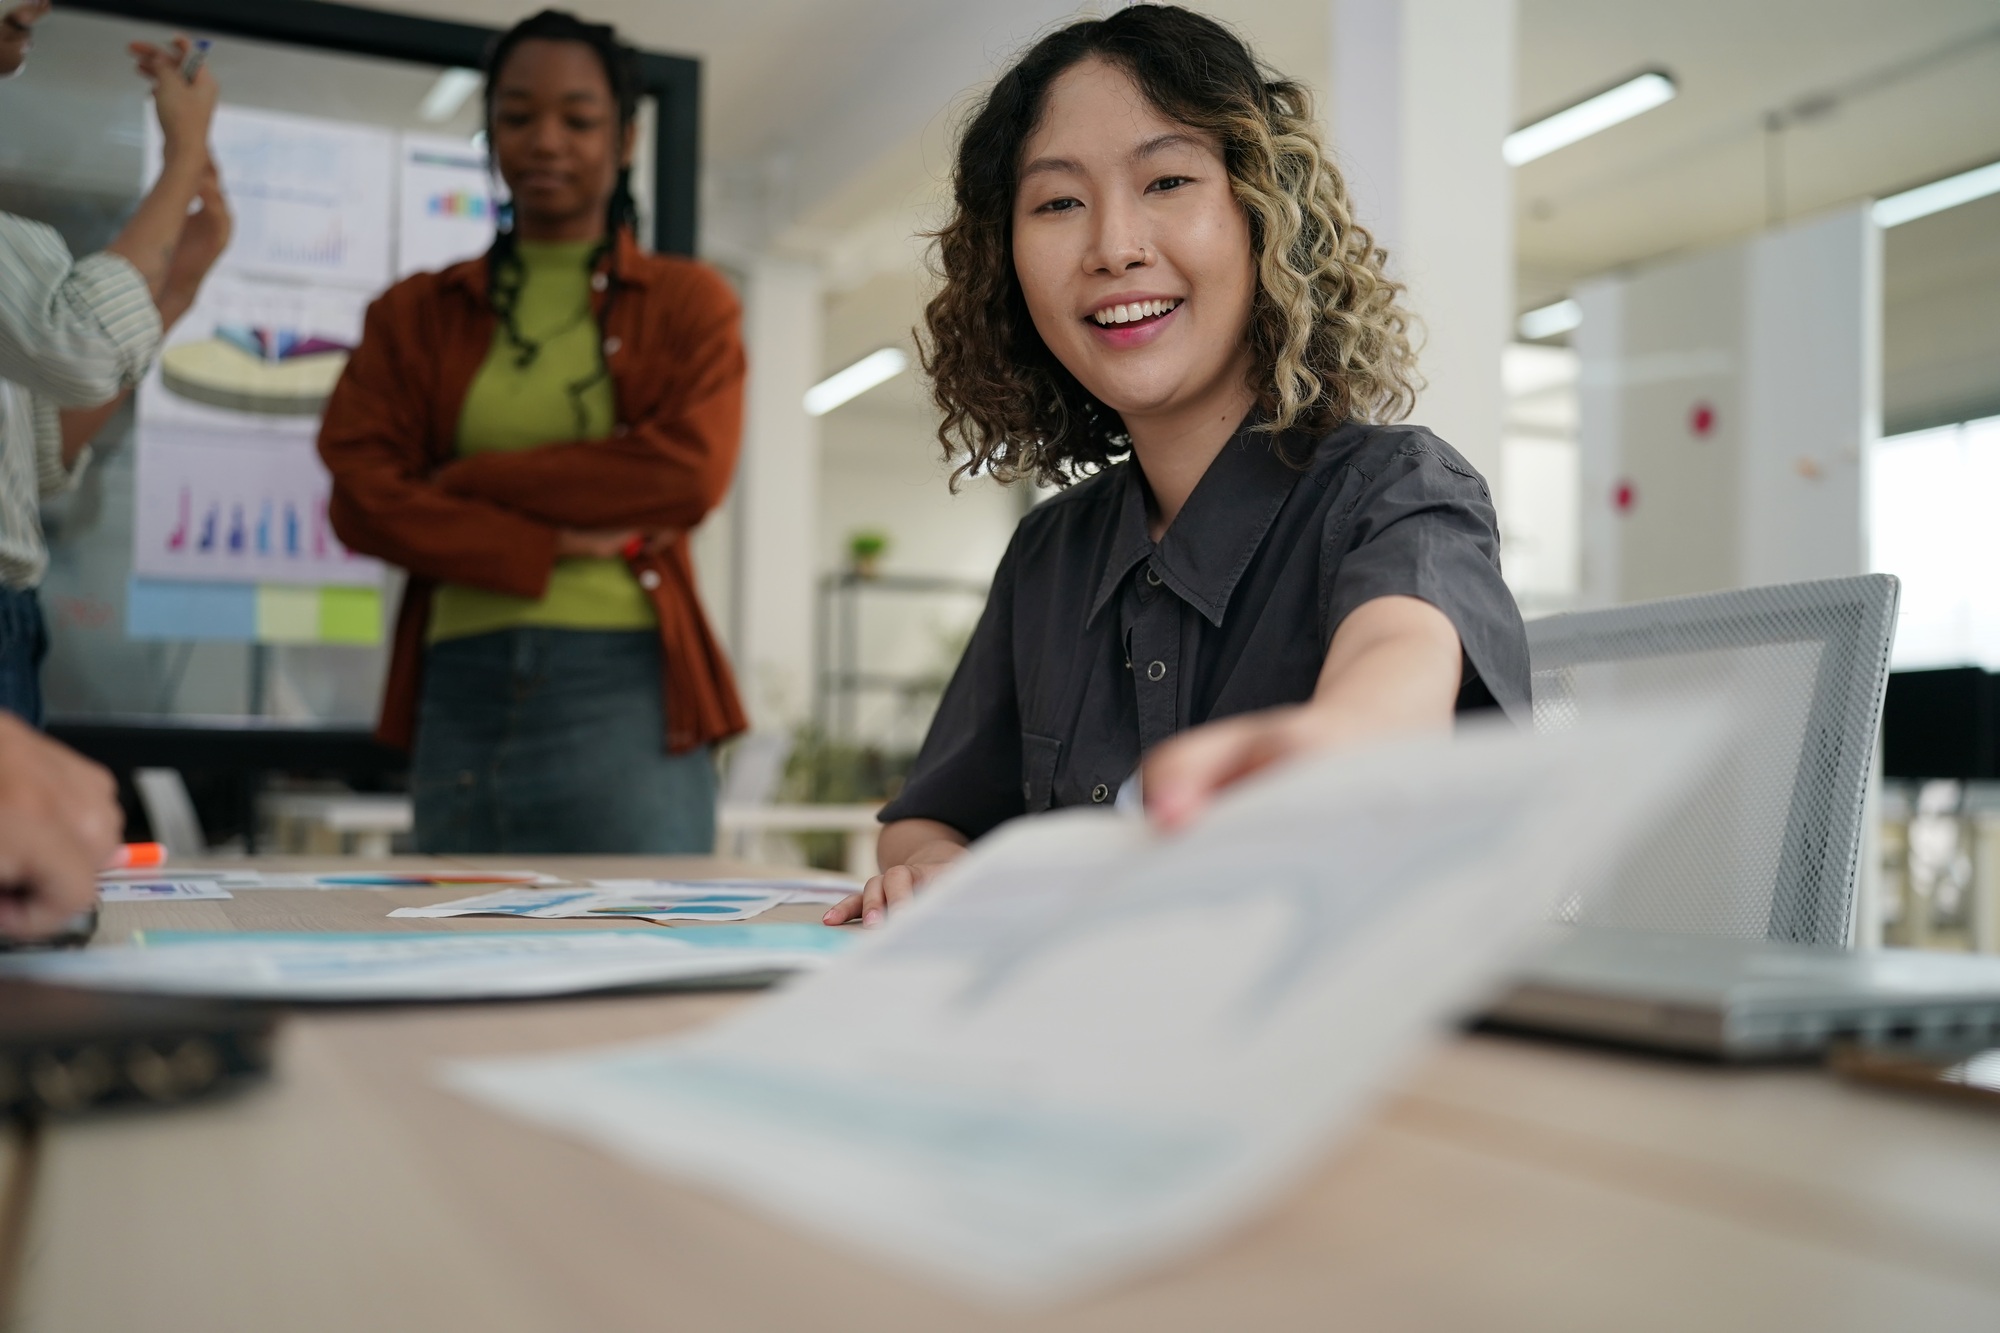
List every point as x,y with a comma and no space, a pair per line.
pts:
1154,286
1325,338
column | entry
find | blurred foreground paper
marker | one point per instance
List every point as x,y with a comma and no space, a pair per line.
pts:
1088,1049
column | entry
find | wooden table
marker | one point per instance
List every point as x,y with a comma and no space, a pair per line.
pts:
1509,1185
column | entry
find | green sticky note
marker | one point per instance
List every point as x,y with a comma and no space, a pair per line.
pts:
287,614
350,615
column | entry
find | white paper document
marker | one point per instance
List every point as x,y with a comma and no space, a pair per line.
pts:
819,889
572,904
379,879
457,965
1087,1049
642,899
159,888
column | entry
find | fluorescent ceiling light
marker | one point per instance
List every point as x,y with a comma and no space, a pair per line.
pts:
1638,94
1549,320
448,94
1936,197
871,370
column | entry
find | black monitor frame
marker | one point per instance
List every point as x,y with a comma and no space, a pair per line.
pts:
674,82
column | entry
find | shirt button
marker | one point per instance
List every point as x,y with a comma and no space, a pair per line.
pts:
1152,577
1099,793
611,345
649,579
1156,670
1027,791
598,282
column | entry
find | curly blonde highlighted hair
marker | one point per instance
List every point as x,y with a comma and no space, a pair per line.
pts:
1328,340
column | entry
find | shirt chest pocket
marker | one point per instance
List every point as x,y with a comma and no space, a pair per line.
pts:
1038,770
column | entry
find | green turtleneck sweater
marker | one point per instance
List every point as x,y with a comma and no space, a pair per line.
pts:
511,406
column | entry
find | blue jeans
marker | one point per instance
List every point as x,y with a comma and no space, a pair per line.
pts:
24,642
553,741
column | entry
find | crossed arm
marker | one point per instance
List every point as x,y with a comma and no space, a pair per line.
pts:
501,520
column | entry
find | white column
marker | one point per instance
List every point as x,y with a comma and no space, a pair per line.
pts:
775,510
1812,403
1422,94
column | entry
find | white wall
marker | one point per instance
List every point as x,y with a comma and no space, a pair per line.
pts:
1730,398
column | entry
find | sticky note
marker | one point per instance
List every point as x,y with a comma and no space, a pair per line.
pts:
287,614
350,615
173,609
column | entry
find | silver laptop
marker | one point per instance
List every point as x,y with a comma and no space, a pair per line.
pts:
1726,931
1738,999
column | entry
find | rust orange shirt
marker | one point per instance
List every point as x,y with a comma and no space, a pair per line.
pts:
400,492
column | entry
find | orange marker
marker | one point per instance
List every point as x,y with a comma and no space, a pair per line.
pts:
138,856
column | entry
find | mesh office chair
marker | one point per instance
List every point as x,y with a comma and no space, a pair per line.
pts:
1769,845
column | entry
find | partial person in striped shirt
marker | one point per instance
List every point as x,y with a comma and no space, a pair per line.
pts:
76,335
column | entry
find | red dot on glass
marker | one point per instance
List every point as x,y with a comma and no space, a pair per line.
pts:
1702,419
1623,497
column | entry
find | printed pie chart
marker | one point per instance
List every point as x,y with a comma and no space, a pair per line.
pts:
218,372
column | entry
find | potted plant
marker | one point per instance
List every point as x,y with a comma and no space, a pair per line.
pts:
866,548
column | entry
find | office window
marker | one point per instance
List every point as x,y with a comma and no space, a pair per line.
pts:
1931,518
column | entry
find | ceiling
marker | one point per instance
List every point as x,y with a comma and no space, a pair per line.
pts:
1892,95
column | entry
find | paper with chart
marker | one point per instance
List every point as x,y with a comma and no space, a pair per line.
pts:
641,899
229,485
310,196
447,203
161,888
1086,1050
413,965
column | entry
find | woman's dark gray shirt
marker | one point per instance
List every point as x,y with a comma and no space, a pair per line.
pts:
1097,643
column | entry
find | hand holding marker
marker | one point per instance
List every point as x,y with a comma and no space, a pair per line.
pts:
196,57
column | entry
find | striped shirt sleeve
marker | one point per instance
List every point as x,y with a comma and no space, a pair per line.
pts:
76,333
51,477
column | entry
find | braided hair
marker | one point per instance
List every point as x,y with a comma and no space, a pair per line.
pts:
504,270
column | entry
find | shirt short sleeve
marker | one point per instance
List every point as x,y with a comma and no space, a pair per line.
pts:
76,333
968,774
1422,524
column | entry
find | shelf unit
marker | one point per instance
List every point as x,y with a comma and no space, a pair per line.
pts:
838,641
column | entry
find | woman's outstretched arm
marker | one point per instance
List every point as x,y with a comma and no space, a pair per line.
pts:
1394,666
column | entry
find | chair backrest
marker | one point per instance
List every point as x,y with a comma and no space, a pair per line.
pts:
756,768
170,811
1769,846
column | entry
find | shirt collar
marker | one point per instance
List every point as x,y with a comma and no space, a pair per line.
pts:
1218,530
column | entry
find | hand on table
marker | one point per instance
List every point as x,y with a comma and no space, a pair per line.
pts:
59,823
895,884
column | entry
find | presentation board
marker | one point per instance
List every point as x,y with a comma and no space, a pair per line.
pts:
230,490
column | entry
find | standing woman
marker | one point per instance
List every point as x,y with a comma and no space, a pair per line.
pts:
1153,279
531,435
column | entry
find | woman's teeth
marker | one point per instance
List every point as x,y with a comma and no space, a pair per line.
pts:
1127,314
